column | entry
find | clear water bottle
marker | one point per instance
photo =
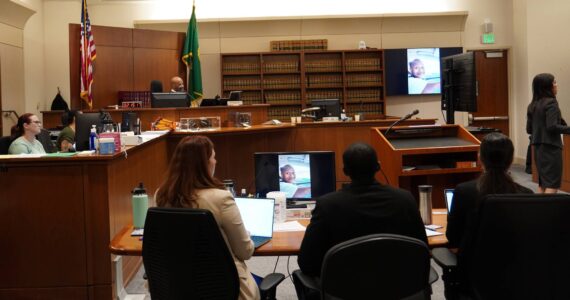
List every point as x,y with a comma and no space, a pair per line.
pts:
140,206
92,137
425,203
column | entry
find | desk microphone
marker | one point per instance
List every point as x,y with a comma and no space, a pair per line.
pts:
311,109
413,113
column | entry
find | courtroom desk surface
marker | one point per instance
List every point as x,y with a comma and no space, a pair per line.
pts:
282,243
90,157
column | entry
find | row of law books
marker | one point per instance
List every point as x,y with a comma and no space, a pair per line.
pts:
299,45
133,99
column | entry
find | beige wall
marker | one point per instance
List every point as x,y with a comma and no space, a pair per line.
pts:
13,18
530,30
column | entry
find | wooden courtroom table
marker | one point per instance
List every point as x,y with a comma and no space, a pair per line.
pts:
282,243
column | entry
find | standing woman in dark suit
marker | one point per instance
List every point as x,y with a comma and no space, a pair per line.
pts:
545,124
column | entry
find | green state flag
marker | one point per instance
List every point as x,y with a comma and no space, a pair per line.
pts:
191,57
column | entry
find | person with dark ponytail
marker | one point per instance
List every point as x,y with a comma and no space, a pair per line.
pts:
24,136
496,155
545,124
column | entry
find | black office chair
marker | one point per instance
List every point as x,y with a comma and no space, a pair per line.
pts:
45,138
381,266
520,250
5,142
186,257
156,86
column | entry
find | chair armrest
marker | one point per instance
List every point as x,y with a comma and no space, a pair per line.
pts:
307,281
444,258
271,281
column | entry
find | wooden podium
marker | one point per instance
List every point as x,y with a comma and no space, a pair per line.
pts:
441,156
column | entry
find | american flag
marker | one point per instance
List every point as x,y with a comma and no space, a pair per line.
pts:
88,55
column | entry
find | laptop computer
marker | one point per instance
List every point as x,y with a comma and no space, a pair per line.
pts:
257,215
448,198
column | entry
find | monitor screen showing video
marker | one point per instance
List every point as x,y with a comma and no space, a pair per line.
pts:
300,175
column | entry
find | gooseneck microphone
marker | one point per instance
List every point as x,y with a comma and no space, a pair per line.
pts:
413,113
310,110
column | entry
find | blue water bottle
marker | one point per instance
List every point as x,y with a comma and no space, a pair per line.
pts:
92,137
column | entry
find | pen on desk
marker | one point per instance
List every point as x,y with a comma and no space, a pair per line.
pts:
430,229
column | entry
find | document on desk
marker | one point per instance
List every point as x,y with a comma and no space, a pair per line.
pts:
288,226
432,233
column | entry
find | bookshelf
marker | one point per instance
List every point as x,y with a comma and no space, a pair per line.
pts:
289,81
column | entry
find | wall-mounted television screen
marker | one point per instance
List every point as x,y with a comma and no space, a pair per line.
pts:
300,175
415,71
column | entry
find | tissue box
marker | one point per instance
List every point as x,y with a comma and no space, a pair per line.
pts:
116,136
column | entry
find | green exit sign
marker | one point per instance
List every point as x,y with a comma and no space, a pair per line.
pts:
488,38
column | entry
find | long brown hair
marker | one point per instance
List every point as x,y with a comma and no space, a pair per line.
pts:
496,153
188,172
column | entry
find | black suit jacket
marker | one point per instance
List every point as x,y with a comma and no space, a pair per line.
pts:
358,209
461,220
545,123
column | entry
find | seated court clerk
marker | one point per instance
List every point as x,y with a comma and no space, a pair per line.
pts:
363,207
66,137
24,136
496,155
191,183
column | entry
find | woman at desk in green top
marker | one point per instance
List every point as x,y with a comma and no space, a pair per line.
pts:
24,136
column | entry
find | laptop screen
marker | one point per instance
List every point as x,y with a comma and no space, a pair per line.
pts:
257,215
448,198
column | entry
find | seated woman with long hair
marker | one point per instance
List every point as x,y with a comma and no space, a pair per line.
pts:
496,155
24,136
191,183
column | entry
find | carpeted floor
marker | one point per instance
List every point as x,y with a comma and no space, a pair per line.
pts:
286,265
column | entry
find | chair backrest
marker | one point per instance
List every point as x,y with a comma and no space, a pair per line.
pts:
4,144
156,86
388,266
45,139
185,256
521,249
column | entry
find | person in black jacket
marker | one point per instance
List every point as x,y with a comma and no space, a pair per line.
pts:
363,207
496,154
545,124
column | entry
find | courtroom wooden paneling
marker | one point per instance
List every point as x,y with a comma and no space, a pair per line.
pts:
493,88
446,161
127,59
114,72
51,119
337,136
155,64
62,215
41,217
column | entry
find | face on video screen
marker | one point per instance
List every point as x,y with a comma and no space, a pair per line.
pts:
295,175
423,71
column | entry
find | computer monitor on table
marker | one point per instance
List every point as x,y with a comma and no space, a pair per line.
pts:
83,124
328,108
161,100
300,175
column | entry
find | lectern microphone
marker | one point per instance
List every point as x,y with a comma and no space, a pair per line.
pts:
413,113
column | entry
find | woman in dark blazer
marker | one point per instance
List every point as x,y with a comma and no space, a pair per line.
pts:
545,124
